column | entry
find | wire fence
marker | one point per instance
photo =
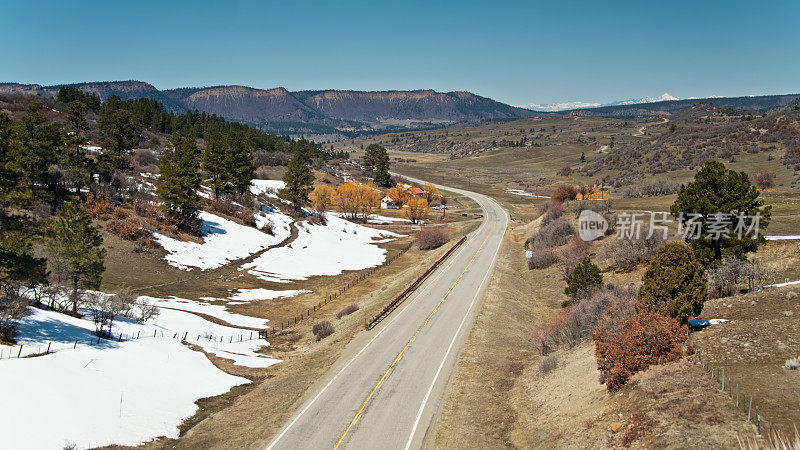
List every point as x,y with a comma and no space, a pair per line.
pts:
747,404
363,275
27,350
47,347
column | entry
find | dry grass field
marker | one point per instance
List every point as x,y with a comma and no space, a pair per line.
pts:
500,396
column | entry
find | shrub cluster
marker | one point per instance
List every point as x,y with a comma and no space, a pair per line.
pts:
735,274
764,180
574,324
347,310
128,229
544,242
431,238
12,308
627,252
227,208
564,192
551,211
640,341
322,329
548,364
652,189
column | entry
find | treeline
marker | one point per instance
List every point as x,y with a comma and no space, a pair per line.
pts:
44,239
151,115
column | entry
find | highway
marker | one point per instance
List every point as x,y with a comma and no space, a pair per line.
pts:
386,388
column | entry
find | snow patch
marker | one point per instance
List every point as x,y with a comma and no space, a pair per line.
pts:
322,250
223,241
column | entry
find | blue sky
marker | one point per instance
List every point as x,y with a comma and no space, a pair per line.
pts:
515,52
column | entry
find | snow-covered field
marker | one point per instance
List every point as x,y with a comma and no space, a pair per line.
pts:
217,311
374,218
268,187
249,295
322,250
223,241
98,396
524,193
126,392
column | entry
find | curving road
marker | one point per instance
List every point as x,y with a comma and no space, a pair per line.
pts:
385,389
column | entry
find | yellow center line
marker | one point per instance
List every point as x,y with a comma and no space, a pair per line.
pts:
414,337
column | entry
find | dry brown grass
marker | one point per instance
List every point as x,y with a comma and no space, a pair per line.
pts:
753,346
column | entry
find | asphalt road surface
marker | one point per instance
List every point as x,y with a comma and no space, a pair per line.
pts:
385,389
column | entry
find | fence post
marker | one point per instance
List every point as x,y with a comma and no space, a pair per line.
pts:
749,409
758,421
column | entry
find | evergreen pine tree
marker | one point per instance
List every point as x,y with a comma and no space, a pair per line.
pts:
41,142
76,242
179,180
714,191
75,161
376,164
299,182
216,162
240,162
584,279
305,149
17,231
674,283
121,133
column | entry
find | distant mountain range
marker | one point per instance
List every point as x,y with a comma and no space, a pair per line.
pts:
308,112
331,114
566,106
665,104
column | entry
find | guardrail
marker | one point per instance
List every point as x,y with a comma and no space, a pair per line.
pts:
377,318
285,324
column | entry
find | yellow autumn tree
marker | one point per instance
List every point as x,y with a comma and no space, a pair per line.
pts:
432,195
416,209
369,197
322,197
354,199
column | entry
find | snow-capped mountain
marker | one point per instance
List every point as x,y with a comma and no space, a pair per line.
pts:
562,106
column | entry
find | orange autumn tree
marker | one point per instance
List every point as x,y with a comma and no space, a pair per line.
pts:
399,194
322,197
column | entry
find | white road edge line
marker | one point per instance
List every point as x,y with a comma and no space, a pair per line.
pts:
450,347
316,397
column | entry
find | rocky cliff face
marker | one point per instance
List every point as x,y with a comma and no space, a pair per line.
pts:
423,106
251,105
